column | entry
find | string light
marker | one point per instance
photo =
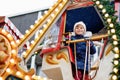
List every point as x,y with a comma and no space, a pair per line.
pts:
111,25
27,77
18,73
8,70
13,51
116,49
116,55
32,42
48,20
100,6
116,62
114,77
13,44
36,21
36,52
114,37
112,30
97,2
52,15
60,5
115,70
10,37
12,61
106,15
115,42
56,10
103,10
4,32
24,53
31,26
44,26
37,77
46,12
27,31
17,41
41,31
41,17
108,20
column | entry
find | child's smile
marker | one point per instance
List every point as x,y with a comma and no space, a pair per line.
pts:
79,30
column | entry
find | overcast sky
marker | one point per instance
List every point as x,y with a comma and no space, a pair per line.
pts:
16,7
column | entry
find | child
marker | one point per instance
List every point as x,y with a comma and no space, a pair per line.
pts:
80,30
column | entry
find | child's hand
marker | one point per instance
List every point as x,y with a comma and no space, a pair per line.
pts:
88,43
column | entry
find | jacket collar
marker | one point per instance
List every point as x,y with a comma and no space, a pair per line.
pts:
79,36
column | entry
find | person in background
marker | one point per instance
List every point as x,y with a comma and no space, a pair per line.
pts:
79,32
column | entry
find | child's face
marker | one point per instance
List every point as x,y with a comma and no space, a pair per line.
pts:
79,29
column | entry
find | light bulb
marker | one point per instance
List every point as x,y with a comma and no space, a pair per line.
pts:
31,26
8,70
103,10
112,30
40,31
116,62
97,2
46,12
12,61
36,21
32,42
14,51
48,20
18,41
115,70
13,43
27,31
41,17
56,10
111,25
116,49
27,77
108,20
44,26
60,5
24,53
115,42
114,37
18,73
4,32
114,77
106,15
116,55
52,15
10,37
100,6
